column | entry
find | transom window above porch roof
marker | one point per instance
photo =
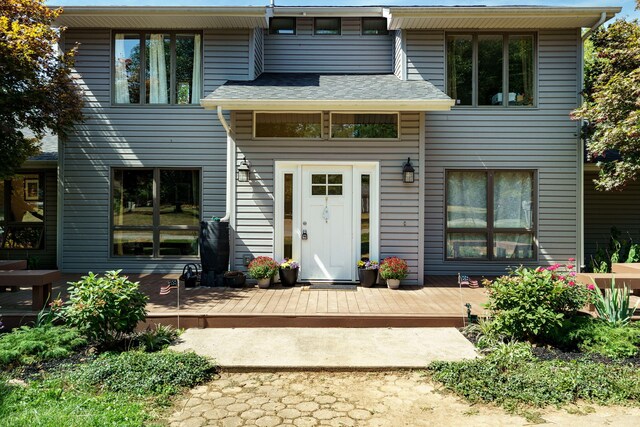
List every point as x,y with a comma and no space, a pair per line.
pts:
316,92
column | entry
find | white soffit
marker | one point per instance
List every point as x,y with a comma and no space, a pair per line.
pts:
495,17
163,17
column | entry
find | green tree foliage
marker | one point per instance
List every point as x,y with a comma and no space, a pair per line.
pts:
612,102
37,92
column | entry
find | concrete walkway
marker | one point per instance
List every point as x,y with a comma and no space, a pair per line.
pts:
327,348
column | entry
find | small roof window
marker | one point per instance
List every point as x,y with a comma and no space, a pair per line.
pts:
327,26
374,27
280,25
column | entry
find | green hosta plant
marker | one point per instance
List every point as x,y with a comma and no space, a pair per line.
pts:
105,309
614,306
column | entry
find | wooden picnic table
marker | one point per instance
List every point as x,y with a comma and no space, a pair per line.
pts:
626,268
12,264
40,281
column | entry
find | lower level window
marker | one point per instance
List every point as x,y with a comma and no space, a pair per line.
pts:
490,215
155,212
22,212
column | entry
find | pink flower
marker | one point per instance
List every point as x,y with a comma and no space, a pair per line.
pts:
591,287
572,283
572,259
561,277
570,266
573,274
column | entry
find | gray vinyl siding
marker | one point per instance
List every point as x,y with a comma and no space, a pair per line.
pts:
349,52
399,202
258,46
606,209
425,57
139,136
398,54
543,139
46,257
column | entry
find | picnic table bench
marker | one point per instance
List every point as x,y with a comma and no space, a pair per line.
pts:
12,264
40,282
603,280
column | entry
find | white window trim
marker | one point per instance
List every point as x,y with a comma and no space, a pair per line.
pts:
271,138
359,169
397,113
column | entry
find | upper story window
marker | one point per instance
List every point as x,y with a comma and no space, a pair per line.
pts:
288,125
157,68
281,25
327,26
374,27
364,126
481,68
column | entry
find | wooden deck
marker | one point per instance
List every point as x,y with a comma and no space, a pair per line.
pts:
441,305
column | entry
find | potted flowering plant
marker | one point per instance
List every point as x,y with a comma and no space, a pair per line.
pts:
289,272
393,269
367,272
263,268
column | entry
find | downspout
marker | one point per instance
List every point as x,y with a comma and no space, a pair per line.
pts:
230,165
582,148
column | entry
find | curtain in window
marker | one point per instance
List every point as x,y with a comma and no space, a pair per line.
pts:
467,199
157,70
196,91
512,196
122,83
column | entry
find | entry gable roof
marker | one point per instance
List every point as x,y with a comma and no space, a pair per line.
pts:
353,92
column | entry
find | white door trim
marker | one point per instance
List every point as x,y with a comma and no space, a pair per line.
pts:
295,168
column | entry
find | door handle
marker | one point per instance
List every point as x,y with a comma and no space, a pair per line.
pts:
304,235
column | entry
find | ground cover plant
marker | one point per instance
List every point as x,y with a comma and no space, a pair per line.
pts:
27,345
512,377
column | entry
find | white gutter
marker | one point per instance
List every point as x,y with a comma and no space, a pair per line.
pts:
231,166
331,104
602,20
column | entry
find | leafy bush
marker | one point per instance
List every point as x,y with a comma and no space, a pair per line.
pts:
140,373
614,306
393,268
27,345
157,338
263,267
104,308
529,303
513,378
594,336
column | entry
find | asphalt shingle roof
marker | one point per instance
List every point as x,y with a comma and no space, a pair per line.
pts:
292,86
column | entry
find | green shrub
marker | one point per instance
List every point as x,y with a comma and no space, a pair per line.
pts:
614,306
27,345
104,308
157,338
513,378
140,373
529,303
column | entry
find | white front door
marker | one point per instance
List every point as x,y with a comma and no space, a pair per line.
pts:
326,246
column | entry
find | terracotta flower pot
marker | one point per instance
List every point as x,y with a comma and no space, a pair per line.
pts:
264,283
367,278
393,283
288,276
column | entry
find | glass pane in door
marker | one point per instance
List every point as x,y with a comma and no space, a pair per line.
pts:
288,215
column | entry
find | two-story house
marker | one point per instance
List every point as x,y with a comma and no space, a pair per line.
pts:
327,134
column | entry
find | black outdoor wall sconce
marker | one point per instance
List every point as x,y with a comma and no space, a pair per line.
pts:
408,173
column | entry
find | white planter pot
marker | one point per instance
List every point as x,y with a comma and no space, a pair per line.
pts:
393,283
264,283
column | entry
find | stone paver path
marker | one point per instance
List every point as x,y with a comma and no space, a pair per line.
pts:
355,399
